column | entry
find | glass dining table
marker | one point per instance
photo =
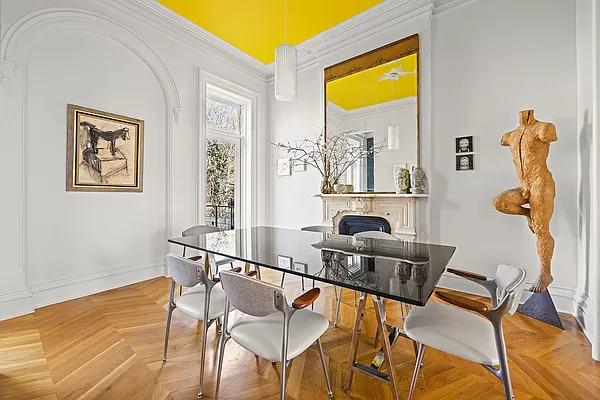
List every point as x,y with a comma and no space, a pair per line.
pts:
407,272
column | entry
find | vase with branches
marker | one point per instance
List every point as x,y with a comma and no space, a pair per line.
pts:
331,155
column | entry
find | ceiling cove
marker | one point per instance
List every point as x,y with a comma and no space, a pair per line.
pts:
257,27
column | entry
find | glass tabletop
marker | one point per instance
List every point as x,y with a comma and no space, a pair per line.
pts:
403,271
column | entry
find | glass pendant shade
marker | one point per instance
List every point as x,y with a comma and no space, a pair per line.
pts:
286,63
393,137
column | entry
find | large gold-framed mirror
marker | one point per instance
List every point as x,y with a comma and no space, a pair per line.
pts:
375,97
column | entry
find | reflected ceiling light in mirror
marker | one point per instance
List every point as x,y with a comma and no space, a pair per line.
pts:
394,134
286,67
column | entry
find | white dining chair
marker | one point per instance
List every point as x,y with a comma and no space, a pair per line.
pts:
474,336
204,300
270,327
311,228
200,230
365,234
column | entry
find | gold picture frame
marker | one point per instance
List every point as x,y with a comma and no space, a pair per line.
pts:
105,151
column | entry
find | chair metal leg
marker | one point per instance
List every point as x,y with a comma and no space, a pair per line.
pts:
205,325
282,279
258,273
504,373
284,364
413,384
169,314
337,311
224,339
329,392
303,284
355,302
172,307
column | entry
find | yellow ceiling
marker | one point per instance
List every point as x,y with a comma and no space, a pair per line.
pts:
258,26
364,88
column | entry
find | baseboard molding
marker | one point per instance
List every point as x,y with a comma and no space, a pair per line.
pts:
39,295
15,303
584,315
562,296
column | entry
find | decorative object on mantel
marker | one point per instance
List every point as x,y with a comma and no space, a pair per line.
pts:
530,145
286,67
340,187
418,181
331,157
349,188
402,181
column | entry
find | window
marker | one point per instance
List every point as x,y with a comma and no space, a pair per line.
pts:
223,115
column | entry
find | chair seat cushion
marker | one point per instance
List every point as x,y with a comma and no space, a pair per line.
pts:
454,331
191,302
263,335
220,260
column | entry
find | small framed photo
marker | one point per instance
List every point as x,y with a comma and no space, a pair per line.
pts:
464,144
284,167
301,267
284,262
464,162
299,166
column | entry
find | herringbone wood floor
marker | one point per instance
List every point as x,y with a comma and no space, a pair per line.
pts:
109,346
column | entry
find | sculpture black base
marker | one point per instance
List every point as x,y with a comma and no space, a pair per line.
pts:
541,307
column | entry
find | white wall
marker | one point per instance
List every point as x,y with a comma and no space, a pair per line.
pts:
78,243
490,60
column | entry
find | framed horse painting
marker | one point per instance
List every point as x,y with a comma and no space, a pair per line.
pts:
105,151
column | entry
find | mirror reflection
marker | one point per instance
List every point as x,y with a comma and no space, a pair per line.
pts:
372,99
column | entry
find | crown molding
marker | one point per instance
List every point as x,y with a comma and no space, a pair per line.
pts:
181,29
395,105
370,22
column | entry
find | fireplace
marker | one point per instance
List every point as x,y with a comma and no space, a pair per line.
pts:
351,224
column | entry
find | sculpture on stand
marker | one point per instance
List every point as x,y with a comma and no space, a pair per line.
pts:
530,145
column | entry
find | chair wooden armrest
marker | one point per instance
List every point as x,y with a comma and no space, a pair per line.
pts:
195,258
467,274
462,302
306,299
236,269
251,273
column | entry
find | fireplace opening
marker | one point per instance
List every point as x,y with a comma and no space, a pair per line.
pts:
351,224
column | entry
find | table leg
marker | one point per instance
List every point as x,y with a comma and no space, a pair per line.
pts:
387,347
354,346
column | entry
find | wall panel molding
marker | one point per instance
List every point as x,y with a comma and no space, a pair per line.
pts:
15,47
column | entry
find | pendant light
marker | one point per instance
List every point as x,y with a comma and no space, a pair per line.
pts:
393,135
286,67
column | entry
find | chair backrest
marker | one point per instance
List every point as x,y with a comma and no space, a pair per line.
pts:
199,230
251,296
376,235
508,281
317,228
185,272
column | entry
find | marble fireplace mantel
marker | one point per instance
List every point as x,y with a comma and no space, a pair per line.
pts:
406,213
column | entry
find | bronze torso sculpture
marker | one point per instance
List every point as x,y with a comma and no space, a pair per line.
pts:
529,145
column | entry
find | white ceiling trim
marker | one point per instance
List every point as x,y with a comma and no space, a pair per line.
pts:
371,21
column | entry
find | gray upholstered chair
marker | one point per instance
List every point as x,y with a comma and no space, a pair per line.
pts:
311,228
202,229
270,327
204,300
366,234
476,335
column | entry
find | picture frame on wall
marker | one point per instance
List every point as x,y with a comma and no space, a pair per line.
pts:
284,167
299,166
465,162
284,262
464,144
301,267
105,151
